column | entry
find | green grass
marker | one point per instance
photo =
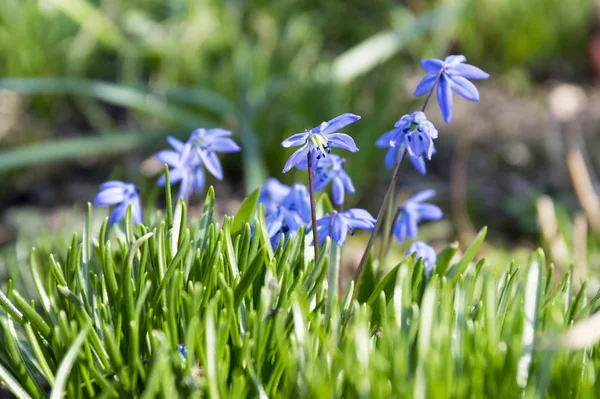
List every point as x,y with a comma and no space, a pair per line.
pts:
110,310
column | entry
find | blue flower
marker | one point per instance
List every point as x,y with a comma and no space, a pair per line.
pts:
332,169
450,75
424,251
120,194
412,212
320,139
181,348
272,194
413,133
338,224
185,167
419,134
287,213
208,143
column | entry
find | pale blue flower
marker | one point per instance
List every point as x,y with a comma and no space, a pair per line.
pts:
272,194
185,168
394,141
286,213
424,251
414,211
450,75
207,143
331,169
339,224
320,139
418,136
120,194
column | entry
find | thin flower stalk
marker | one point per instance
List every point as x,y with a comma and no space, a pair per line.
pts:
313,206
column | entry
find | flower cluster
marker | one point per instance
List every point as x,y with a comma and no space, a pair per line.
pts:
186,163
287,209
414,135
188,160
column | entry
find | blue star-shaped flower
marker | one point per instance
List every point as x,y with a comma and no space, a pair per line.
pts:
272,194
412,212
331,169
320,139
120,194
450,75
288,209
207,143
185,168
338,224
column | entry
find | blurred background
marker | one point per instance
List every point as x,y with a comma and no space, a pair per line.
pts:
89,89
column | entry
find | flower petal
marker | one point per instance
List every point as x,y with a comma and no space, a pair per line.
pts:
454,59
429,212
136,210
343,141
118,213
224,144
346,181
422,196
109,196
444,98
419,164
274,222
339,122
296,157
464,88
216,132
296,139
114,183
432,65
338,191
467,71
322,179
212,163
200,179
175,143
169,157
175,175
339,230
425,85
384,140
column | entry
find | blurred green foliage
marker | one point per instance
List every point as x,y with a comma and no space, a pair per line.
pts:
263,69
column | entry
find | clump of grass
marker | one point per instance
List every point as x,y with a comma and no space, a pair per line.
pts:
110,315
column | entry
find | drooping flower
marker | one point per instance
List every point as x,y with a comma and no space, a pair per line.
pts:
207,143
413,133
272,194
422,250
419,134
414,211
331,169
120,194
450,75
320,139
185,168
338,224
286,213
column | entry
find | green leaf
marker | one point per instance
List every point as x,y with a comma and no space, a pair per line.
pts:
530,315
64,369
12,384
206,218
460,267
246,212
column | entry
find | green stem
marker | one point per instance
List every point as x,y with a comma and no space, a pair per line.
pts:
386,229
363,261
